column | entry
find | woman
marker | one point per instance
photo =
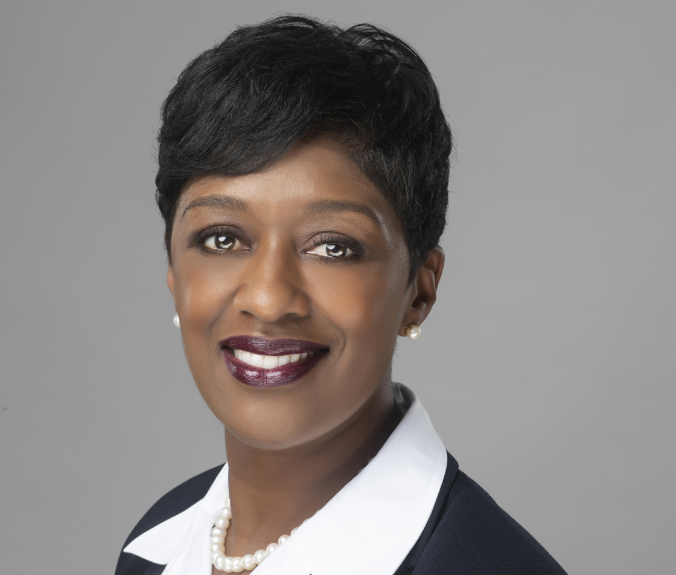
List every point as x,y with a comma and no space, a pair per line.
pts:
303,174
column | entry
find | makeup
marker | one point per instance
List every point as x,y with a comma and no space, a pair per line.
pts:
264,363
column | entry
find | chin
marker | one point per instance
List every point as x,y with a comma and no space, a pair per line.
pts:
273,439
277,427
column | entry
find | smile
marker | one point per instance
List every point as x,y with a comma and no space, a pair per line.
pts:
270,361
263,363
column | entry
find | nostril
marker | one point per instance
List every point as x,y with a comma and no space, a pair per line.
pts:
270,303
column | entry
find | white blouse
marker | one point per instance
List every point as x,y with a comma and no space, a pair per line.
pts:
368,527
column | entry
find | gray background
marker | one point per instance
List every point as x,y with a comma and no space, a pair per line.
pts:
548,366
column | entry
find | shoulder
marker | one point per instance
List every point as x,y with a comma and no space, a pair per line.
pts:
469,532
475,521
172,503
484,534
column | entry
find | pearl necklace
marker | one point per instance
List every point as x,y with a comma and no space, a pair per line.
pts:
236,564
248,562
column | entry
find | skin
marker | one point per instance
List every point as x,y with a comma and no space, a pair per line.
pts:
292,448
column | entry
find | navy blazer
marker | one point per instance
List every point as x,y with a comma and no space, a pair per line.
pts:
466,534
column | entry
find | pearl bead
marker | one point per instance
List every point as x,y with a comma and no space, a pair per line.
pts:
222,522
237,566
413,331
248,562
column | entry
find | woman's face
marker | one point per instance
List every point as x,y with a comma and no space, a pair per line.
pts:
303,257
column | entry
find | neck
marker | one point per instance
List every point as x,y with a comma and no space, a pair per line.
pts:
273,491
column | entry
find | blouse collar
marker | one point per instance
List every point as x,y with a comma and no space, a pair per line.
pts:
367,528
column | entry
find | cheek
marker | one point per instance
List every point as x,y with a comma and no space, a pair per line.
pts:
202,294
366,304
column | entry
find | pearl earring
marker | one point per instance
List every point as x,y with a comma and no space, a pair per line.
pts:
177,322
413,331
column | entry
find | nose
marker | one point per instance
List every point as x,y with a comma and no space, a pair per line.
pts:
271,289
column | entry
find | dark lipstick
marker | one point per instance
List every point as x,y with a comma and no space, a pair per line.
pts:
256,376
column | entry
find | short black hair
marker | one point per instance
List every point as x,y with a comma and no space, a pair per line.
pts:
240,105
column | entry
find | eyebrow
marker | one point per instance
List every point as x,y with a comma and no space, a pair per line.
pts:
324,206
217,202
315,208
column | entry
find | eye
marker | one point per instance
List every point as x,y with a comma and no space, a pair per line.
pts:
331,251
222,242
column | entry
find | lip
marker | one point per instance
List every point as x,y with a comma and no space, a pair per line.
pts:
274,377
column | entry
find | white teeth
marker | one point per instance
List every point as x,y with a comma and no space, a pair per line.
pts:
270,361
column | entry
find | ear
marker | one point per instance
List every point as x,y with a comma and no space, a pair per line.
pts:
170,272
170,281
424,289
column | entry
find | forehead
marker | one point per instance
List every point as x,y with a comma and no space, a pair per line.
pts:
317,169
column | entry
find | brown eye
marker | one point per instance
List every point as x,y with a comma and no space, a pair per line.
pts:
224,242
220,242
335,251
331,251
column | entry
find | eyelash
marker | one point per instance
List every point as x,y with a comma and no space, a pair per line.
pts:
343,241
349,243
203,236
